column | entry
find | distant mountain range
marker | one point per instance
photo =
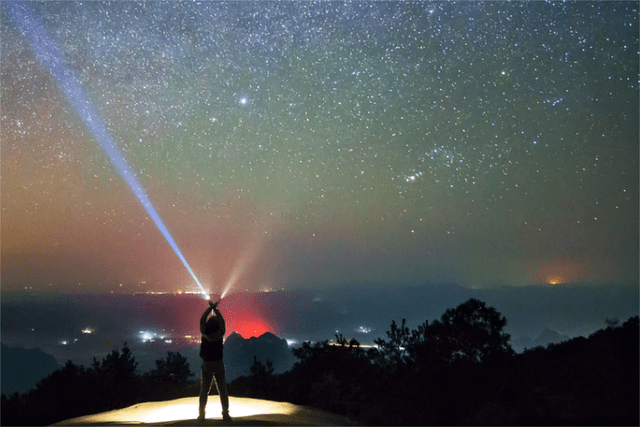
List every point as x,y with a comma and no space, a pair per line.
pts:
22,368
239,353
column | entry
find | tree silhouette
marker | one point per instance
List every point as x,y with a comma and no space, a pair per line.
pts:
174,368
170,378
116,379
117,364
393,353
258,369
72,391
470,332
307,351
335,378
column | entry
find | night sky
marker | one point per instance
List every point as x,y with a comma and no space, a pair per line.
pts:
314,144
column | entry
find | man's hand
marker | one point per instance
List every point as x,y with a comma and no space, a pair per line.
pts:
213,305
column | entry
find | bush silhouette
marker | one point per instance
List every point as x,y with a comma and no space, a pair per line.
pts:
170,379
112,383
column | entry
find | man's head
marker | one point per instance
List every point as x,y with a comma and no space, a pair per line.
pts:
212,324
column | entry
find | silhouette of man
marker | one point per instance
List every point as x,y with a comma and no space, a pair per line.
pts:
212,329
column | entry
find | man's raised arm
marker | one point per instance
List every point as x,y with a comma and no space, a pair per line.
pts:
218,334
203,319
221,323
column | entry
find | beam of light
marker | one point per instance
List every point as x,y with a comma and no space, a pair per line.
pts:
47,51
237,270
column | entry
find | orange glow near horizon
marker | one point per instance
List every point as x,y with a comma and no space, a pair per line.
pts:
558,272
251,328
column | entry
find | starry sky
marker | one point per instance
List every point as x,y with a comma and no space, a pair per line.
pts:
315,144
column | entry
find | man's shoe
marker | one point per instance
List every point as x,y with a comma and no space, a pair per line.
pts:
226,417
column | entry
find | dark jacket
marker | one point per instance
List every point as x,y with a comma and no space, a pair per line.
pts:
212,333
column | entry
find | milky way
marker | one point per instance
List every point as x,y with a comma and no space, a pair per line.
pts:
290,144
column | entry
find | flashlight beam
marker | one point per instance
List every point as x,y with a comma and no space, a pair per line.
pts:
238,269
47,51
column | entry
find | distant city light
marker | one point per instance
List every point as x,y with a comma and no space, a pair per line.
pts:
364,329
147,336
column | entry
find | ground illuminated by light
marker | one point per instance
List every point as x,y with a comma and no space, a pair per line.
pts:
187,409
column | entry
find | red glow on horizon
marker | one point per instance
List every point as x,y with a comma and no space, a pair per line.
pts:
251,328
244,315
